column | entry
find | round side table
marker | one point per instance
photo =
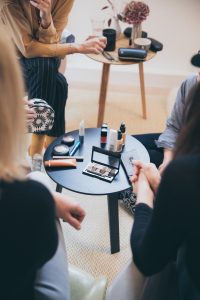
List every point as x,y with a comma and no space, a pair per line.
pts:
73,178
120,43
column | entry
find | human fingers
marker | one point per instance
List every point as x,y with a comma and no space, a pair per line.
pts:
103,39
96,44
79,213
30,112
150,169
137,166
26,102
91,37
42,5
75,217
162,167
97,40
138,163
140,182
95,49
30,116
153,175
74,222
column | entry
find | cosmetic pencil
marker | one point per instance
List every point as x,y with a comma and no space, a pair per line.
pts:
75,148
78,158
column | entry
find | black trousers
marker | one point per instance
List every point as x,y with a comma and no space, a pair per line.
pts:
155,153
43,81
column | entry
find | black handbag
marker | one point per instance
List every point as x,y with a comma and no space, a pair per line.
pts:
45,116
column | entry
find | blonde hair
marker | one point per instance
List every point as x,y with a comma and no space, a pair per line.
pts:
12,113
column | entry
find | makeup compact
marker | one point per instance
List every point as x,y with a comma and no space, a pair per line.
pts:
104,164
61,149
68,140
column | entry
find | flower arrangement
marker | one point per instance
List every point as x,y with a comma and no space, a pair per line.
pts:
113,10
135,12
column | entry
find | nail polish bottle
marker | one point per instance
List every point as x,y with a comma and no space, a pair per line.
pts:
123,131
104,135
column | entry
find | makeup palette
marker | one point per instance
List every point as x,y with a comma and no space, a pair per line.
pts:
61,150
68,140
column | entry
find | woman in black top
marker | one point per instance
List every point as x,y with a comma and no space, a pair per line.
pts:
28,210
167,228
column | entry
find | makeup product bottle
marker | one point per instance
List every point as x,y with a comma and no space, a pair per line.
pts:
123,131
119,141
81,131
112,145
104,133
60,163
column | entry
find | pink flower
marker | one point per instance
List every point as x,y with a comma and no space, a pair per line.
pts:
135,12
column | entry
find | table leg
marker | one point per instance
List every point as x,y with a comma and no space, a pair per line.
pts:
142,88
103,92
59,188
113,214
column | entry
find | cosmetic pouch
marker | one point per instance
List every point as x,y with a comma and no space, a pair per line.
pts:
45,116
132,54
155,45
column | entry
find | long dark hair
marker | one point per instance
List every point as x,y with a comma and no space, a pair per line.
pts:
188,141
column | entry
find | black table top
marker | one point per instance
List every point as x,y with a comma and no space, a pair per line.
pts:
75,180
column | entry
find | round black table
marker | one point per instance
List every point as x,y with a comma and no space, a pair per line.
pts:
76,181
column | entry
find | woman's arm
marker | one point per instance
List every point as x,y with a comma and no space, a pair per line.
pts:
157,233
69,210
53,19
20,31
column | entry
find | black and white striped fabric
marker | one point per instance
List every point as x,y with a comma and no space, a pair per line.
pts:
43,81
45,116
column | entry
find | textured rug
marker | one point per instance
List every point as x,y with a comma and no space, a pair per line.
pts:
89,248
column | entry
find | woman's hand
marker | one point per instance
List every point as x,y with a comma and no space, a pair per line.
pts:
44,7
30,113
143,189
168,156
68,210
151,172
92,45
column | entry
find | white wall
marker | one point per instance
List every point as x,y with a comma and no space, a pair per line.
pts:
175,23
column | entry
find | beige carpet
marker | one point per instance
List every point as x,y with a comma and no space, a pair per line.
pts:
120,106
89,248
